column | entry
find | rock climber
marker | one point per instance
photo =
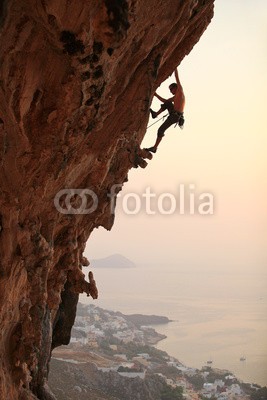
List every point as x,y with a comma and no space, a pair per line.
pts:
174,105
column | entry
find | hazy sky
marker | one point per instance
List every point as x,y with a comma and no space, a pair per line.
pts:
222,150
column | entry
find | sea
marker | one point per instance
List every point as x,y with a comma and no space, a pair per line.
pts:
217,314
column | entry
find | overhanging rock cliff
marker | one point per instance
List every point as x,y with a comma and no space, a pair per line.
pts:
76,82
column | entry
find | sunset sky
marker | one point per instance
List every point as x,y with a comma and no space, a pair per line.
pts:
222,150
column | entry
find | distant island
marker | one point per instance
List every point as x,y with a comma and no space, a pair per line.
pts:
143,320
113,261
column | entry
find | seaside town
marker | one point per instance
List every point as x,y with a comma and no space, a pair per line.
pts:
112,356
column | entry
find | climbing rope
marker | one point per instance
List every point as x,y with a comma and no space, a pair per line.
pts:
159,119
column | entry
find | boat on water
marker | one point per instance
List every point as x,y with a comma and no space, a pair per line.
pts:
209,362
242,358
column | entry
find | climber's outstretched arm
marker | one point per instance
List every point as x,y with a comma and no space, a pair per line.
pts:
160,98
177,77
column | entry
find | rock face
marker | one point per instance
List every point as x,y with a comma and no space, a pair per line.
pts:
76,82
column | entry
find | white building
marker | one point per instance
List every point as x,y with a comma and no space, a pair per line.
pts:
209,387
219,382
144,355
125,336
235,389
133,374
80,340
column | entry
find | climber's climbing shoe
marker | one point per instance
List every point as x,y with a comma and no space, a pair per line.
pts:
153,113
152,149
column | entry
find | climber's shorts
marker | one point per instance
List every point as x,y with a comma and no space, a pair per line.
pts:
174,118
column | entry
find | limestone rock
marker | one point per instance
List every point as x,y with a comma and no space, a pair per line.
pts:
76,82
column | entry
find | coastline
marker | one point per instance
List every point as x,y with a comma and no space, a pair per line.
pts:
115,350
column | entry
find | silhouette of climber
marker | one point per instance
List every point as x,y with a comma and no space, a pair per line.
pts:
175,107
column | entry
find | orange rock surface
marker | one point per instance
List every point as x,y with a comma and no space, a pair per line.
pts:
76,82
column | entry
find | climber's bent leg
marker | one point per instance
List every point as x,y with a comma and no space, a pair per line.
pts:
166,124
168,105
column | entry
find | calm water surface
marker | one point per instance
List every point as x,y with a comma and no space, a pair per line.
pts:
219,315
